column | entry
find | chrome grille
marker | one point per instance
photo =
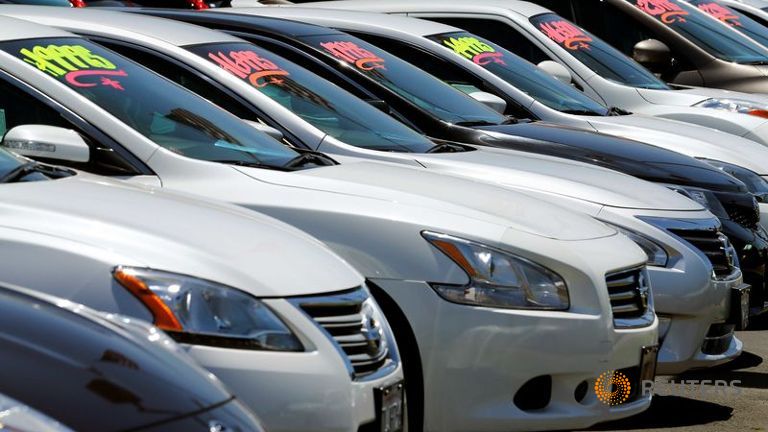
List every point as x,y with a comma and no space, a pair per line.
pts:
714,245
349,319
630,296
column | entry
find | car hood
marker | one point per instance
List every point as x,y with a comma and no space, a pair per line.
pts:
630,157
95,373
177,233
559,176
688,139
419,188
689,96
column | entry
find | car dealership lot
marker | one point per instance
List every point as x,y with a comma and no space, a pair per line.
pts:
713,410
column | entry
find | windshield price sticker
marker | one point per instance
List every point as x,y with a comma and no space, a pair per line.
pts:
474,49
565,34
248,65
76,64
355,55
720,12
665,10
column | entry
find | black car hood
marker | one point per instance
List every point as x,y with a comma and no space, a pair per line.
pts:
630,157
90,375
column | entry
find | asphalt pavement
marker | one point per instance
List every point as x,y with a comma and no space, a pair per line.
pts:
713,406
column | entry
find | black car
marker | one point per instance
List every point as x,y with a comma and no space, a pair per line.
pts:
97,372
446,115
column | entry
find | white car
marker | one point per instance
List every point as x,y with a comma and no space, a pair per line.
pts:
754,9
602,72
419,42
657,218
478,280
239,289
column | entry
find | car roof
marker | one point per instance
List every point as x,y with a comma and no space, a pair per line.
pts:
243,20
358,19
524,8
15,29
102,20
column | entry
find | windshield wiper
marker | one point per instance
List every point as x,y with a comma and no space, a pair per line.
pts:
447,148
307,157
470,123
249,164
616,111
21,171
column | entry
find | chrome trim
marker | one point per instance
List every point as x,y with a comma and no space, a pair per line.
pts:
643,293
367,323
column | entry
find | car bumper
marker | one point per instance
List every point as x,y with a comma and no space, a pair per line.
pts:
476,362
297,391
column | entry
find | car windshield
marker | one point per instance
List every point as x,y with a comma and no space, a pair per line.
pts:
408,81
319,102
520,73
162,111
737,20
718,40
595,53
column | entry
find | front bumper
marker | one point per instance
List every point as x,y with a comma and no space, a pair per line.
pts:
476,361
297,391
687,298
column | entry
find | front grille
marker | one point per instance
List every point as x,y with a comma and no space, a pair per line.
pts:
629,293
714,245
744,216
349,319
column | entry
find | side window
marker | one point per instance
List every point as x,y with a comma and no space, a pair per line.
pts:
183,77
499,33
620,29
445,70
18,107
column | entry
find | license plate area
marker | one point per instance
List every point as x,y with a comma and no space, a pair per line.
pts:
390,407
648,358
740,306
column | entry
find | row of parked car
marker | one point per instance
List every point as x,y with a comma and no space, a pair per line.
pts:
375,216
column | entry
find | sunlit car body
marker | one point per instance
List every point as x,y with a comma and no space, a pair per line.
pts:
754,9
428,105
69,234
76,369
620,82
683,286
421,239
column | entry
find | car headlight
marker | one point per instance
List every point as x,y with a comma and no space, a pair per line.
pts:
200,312
756,185
735,105
16,416
702,196
498,278
657,255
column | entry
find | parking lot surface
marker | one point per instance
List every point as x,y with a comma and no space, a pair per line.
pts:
706,408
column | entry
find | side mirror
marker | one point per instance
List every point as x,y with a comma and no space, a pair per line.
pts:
556,70
653,54
490,100
269,130
47,142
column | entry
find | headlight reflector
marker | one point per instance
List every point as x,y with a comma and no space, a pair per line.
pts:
657,255
200,312
736,106
498,278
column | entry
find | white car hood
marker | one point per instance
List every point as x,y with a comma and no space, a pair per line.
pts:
177,233
694,95
686,138
421,188
560,176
